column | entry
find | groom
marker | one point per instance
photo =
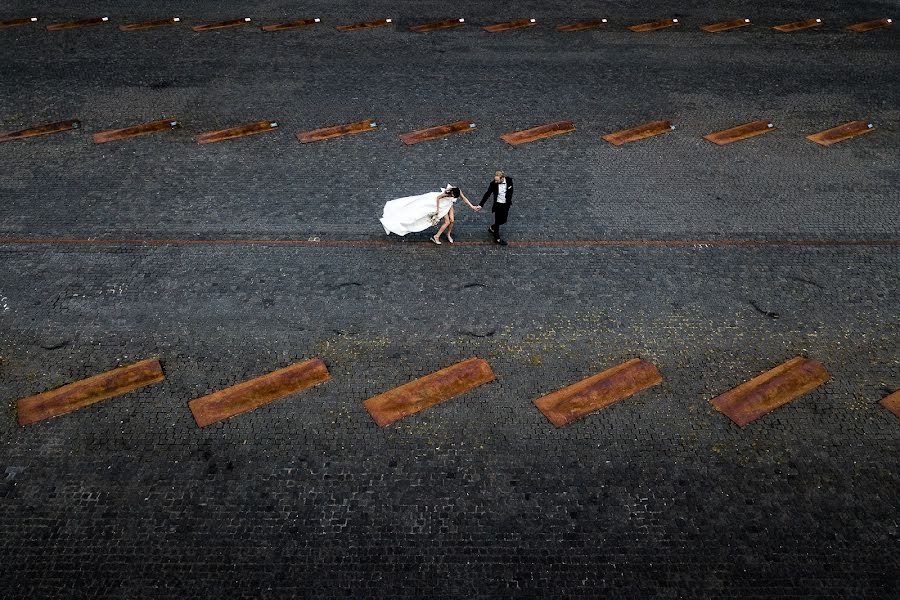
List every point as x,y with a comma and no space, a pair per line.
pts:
502,190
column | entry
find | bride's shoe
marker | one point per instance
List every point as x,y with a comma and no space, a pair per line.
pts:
435,240
449,239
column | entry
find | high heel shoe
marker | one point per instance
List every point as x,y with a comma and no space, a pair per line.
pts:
449,239
435,240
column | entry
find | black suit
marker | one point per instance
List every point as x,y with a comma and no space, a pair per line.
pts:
500,209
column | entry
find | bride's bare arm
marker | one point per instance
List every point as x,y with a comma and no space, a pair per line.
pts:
472,206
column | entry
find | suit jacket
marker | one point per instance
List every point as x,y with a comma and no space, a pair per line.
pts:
494,189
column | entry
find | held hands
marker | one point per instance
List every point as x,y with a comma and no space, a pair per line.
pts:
476,208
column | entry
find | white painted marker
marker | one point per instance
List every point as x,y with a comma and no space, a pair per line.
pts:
273,124
387,20
373,124
534,20
818,20
770,126
889,20
33,19
462,20
106,18
746,20
869,126
471,125
247,19
603,20
176,19
317,20
674,20
173,123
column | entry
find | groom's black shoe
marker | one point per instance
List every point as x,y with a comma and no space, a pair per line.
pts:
500,241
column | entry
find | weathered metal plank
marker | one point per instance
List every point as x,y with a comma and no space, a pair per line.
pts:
365,25
17,22
430,133
291,25
77,24
870,25
40,130
583,25
327,133
150,24
726,25
538,133
741,132
221,25
598,391
427,391
257,392
518,24
892,403
654,25
766,392
798,25
129,132
88,391
842,132
633,134
231,133
445,24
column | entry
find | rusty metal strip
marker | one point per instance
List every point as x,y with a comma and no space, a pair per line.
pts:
291,25
40,130
150,24
766,392
257,392
421,135
77,24
17,22
654,25
842,132
445,24
598,391
583,25
135,130
870,25
538,133
222,25
365,25
633,134
327,133
221,135
88,391
427,391
798,25
518,24
726,25
741,132
892,403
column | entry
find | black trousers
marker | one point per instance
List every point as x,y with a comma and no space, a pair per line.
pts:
501,211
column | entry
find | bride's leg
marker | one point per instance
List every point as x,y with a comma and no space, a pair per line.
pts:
437,236
452,219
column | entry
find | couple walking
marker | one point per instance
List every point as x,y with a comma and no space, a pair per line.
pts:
417,213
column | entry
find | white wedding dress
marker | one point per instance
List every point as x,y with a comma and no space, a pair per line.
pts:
414,213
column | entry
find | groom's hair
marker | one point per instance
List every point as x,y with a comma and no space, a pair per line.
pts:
499,174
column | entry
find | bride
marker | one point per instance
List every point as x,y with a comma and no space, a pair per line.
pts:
417,213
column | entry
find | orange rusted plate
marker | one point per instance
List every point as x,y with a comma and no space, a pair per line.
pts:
583,25
149,24
538,133
88,391
221,24
617,138
654,25
776,387
365,25
291,25
726,25
741,132
445,24
136,130
40,130
77,24
798,25
892,403
221,135
598,391
870,25
326,133
420,135
842,132
257,392
17,22
519,24
425,392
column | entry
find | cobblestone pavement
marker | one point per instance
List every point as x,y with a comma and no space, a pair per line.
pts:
775,248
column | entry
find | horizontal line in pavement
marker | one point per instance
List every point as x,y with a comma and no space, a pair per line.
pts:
308,242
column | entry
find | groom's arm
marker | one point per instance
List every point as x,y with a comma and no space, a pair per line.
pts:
487,194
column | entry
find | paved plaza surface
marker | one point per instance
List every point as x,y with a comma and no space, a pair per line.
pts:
228,261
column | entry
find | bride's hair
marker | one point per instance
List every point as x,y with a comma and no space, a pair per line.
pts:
453,191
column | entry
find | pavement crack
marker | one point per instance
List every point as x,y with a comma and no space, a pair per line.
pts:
771,315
